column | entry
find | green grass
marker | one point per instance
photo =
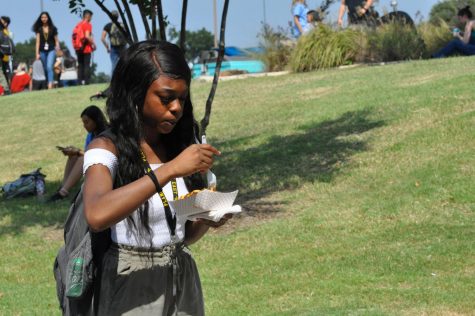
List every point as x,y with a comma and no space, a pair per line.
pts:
358,185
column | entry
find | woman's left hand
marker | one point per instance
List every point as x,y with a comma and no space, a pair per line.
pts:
214,224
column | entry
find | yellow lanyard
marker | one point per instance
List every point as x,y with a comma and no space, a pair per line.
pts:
171,219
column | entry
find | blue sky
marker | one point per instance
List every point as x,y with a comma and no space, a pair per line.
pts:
243,24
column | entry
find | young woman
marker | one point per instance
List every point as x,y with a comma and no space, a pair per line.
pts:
148,269
464,43
47,43
94,123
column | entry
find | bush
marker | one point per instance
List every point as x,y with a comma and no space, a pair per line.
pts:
276,46
325,48
394,41
435,36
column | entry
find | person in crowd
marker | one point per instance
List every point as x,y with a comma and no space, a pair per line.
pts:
464,43
150,158
38,76
4,25
94,123
117,41
299,15
47,43
88,46
58,67
358,11
310,21
4,82
21,79
69,74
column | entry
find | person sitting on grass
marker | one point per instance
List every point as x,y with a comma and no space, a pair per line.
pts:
95,123
464,43
21,79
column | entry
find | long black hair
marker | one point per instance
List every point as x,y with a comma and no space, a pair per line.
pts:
465,12
138,67
36,28
95,114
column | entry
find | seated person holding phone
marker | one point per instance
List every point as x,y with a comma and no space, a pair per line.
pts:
95,123
464,42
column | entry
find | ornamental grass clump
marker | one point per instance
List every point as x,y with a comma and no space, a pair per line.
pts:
434,36
276,46
325,48
393,42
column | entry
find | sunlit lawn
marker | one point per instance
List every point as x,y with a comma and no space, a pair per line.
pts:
358,185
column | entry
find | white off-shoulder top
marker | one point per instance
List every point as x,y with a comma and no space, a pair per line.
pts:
121,233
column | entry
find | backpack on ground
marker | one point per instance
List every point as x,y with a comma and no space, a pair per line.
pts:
77,267
27,184
116,37
6,45
79,37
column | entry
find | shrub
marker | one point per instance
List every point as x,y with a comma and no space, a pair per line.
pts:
435,36
277,48
325,48
394,41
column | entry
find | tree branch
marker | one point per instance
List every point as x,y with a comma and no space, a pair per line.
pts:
183,26
131,20
209,102
161,21
144,19
153,8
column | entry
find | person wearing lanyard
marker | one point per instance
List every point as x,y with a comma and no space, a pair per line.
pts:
47,43
149,157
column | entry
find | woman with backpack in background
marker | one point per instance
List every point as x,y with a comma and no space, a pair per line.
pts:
47,43
95,123
150,157
464,42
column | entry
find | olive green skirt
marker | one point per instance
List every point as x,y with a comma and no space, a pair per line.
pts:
140,282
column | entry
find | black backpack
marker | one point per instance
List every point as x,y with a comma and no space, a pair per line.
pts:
6,45
115,35
77,267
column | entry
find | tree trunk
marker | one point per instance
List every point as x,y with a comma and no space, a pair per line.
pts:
209,102
183,26
161,21
131,20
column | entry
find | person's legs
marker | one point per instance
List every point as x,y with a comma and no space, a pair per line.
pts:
50,59
74,174
6,71
80,67
87,68
69,166
456,46
4,83
114,56
43,58
465,49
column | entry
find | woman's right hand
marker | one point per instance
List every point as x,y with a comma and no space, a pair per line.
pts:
38,56
195,158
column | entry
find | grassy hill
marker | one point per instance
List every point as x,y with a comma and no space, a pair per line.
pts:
358,185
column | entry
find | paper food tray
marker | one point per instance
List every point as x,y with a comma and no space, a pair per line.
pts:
206,204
